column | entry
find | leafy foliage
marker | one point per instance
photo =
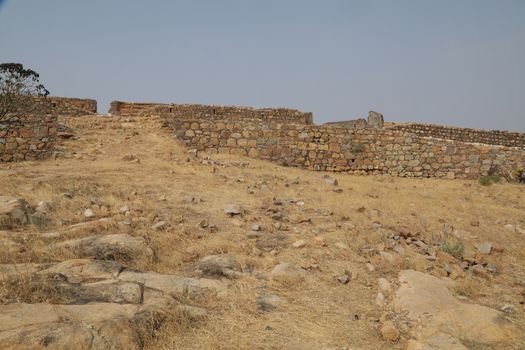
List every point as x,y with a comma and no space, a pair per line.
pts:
17,86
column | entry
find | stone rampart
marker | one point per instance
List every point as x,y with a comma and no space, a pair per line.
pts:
325,148
65,106
205,112
489,137
27,138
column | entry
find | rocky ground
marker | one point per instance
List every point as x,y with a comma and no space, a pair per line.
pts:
126,241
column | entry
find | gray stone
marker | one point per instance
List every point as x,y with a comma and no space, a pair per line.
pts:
375,120
219,265
233,209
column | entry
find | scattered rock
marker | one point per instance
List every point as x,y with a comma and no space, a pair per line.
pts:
380,299
299,244
389,331
14,212
219,265
234,209
484,248
268,302
287,272
88,213
344,279
161,225
318,240
256,227
384,286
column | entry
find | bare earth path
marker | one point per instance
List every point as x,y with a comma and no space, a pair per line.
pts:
304,261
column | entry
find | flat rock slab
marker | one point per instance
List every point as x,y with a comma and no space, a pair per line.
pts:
446,321
120,247
85,270
175,285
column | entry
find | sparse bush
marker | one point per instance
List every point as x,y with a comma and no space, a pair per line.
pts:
518,175
358,148
453,248
488,180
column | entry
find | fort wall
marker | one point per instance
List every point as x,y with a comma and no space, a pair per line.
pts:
210,112
489,137
325,148
27,138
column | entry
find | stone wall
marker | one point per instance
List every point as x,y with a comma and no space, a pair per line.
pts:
65,106
325,148
494,137
57,106
27,138
131,109
205,112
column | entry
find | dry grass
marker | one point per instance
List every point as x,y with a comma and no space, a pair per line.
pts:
318,312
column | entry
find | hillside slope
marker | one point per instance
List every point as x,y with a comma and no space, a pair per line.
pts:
306,260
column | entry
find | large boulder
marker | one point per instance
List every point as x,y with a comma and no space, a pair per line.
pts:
17,212
447,322
14,212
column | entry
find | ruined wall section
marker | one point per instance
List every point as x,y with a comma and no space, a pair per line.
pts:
324,148
493,137
210,112
27,138
65,106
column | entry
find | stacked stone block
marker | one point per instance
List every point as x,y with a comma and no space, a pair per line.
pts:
27,138
325,148
493,137
205,112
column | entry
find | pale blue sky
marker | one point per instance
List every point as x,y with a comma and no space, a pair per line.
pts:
454,62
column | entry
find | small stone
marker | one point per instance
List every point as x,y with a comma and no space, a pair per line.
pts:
337,190
341,245
299,244
370,267
256,227
254,234
233,209
161,225
203,223
331,180
389,331
384,286
478,270
88,213
484,248
124,209
492,268
405,232
319,241
68,195
421,244
344,279
380,299
498,248
508,309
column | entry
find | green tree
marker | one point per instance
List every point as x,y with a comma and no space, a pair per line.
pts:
18,87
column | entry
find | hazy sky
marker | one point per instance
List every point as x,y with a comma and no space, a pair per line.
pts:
454,62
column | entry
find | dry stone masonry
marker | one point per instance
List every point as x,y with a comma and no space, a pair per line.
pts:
492,137
189,111
27,138
326,148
